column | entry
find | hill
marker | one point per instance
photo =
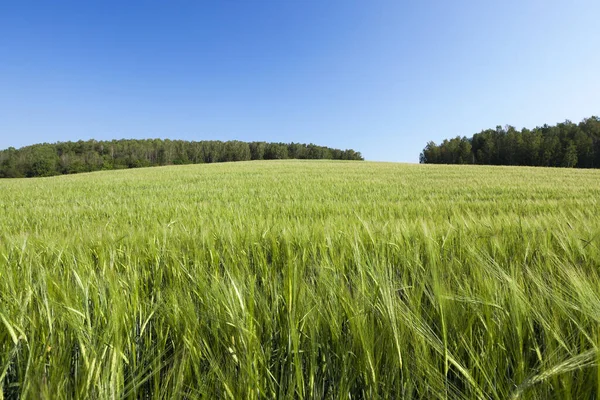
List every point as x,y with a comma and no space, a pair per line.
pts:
301,279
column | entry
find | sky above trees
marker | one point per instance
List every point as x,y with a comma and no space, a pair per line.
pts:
381,77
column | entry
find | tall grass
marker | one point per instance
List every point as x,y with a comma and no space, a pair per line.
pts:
302,280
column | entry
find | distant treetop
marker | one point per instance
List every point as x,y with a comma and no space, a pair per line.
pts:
87,156
564,145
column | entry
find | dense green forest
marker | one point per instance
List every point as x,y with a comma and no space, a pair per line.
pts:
563,145
87,156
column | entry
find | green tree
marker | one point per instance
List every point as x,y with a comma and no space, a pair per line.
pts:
257,150
565,144
85,156
570,157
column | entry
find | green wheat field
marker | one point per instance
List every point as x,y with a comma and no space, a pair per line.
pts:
301,279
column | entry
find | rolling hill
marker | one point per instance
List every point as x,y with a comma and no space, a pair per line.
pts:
301,279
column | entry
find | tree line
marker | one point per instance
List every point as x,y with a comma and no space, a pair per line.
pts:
565,144
87,156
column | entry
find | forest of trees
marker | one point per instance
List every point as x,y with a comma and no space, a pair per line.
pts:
87,156
563,145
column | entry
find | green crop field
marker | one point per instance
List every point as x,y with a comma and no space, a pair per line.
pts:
302,279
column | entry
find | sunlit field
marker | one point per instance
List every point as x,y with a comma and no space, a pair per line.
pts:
301,279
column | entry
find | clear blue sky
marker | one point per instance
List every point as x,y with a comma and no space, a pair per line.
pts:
382,77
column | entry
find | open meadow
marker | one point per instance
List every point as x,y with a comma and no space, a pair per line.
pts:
301,279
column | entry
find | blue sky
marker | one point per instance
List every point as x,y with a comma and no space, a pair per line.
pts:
382,77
